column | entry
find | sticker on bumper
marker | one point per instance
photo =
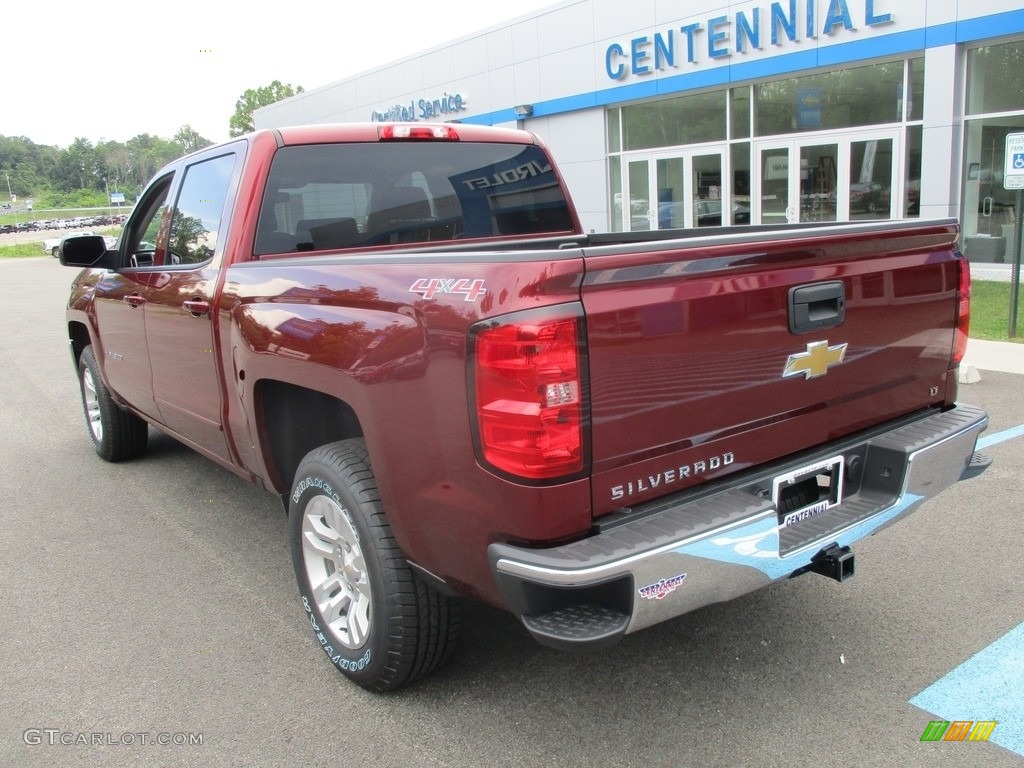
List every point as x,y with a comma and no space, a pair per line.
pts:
662,588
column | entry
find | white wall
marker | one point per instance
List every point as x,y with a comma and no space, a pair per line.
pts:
555,60
942,135
577,144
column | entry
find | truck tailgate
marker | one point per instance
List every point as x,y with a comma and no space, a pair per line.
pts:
712,354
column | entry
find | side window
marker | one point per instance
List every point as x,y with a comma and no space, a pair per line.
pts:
196,222
143,236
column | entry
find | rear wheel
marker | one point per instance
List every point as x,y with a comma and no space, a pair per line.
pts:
116,434
374,617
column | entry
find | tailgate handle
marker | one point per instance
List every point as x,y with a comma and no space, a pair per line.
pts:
813,307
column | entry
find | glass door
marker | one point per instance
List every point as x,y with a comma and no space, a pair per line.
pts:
989,212
635,204
676,191
819,177
774,185
846,178
797,181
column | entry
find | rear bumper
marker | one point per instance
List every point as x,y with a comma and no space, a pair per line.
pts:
679,553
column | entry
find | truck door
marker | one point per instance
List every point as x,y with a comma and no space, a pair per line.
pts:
181,305
120,301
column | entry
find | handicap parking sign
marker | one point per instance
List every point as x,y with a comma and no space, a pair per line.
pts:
1013,171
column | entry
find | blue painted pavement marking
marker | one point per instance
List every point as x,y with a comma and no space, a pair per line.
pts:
988,686
999,437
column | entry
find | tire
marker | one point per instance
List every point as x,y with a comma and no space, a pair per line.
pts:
116,434
55,251
378,622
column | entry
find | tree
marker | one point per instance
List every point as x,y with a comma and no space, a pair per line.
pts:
189,139
253,99
148,154
77,167
27,166
189,239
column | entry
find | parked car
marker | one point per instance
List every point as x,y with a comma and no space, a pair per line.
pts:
706,213
614,431
867,197
914,197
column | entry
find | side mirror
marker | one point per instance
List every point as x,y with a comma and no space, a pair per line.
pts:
87,251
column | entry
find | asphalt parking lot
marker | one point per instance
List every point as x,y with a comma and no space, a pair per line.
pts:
150,616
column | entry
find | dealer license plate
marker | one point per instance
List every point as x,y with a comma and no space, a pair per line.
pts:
808,491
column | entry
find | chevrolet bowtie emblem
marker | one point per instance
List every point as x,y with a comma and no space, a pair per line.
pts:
816,361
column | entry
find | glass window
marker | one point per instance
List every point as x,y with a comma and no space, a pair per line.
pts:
330,196
870,179
142,235
989,211
915,109
739,112
693,119
615,187
994,82
195,227
614,131
740,154
848,98
912,182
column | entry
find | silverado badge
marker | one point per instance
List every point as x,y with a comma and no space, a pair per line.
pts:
816,361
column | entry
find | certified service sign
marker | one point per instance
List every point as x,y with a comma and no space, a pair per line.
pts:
1013,173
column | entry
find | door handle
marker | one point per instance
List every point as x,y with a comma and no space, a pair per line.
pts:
197,307
135,300
815,307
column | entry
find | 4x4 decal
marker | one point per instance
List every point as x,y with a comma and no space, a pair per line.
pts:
429,287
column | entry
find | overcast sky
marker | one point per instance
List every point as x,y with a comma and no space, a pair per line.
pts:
110,72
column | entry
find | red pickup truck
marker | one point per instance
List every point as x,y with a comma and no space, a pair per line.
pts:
403,331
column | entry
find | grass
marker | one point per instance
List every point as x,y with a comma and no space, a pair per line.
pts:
12,217
21,250
990,311
35,247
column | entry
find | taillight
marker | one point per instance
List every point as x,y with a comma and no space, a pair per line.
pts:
529,394
963,310
407,131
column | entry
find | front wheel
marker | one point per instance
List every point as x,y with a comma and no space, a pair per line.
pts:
374,617
116,434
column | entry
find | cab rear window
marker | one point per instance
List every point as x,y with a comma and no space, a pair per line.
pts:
330,196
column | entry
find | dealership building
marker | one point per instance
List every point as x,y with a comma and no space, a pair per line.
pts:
667,114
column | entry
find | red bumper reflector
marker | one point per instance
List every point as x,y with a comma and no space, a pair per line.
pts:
963,311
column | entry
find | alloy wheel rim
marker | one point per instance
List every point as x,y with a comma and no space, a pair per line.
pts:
92,405
336,571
